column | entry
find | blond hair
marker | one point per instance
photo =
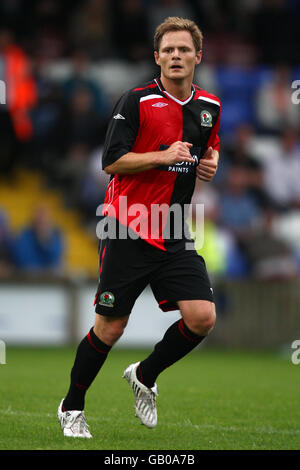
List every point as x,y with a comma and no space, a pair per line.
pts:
174,23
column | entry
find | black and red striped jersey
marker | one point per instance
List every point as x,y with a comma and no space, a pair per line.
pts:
145,119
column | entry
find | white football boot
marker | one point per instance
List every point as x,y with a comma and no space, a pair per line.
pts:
73,423
145,398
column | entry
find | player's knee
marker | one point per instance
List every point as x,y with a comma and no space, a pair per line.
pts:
110,334
109,330
208,320
203,320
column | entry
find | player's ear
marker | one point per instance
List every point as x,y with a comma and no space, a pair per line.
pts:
198,57
156,57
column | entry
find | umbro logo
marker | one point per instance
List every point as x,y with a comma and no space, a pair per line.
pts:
159,105
119,116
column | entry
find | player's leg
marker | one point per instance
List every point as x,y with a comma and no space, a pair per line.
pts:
198,318
110,329
120,283
90,357
182,284
179,283
122,279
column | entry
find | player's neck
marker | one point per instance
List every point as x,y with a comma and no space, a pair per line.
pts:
180,89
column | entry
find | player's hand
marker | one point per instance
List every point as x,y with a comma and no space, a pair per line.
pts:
178,152
208,165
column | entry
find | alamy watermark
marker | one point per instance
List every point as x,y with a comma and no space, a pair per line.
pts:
157,222
2,92
296,354
296,94
2,352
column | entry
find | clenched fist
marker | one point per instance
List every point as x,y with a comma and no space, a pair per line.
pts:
208,165
178,152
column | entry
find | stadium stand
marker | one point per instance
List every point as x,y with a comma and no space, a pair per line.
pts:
20,200
245,63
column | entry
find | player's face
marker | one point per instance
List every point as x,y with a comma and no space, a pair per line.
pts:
177,56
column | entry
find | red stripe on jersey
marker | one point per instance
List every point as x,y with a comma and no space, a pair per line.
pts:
103,254
205,94
214,139
152,85
165,306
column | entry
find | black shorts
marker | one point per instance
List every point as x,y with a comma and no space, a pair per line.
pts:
127,266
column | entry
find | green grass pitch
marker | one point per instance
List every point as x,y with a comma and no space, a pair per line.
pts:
210,400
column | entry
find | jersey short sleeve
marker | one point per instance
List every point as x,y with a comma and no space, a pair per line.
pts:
122,129
214,140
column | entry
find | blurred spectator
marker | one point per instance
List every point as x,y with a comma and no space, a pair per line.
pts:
92,188
80,123
6,247
209,240
79,130
16,127
91,29
238,86
239,153
282,172
269,256
39,247
286,226
21,92
239,212
275,108
80,79
213,241
131,30
46,114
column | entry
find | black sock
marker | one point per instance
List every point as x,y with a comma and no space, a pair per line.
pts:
176,343
90,356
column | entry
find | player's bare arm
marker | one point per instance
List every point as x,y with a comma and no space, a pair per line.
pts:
208,165
133,162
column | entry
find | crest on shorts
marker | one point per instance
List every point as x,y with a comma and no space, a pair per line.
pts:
107,299
206,119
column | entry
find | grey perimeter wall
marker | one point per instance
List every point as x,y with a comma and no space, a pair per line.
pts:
250,314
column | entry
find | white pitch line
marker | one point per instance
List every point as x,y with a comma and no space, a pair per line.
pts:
187,423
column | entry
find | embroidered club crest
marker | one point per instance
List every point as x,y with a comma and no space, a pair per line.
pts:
107,299
206,119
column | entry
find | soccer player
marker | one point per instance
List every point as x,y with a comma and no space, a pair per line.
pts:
162,135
